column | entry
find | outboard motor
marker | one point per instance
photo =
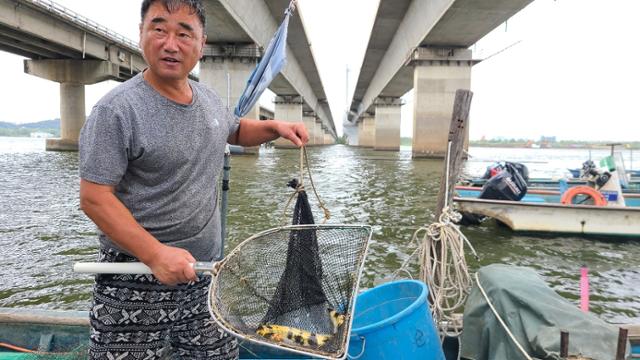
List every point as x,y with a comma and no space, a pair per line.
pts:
507,181
591,174
522,169
509,184
492,170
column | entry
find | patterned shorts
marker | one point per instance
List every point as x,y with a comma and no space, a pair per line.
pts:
137,317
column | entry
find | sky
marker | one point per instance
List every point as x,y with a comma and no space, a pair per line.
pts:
564,68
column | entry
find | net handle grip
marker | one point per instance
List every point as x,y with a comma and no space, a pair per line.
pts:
130,267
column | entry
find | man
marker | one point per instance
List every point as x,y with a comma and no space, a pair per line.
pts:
150,154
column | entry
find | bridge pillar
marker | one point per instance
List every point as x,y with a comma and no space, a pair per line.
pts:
438,74
288,108
318,135
226,69
367,131
328,139
309,120
72,75
387,124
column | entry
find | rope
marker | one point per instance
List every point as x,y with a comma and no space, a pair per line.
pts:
440,248
504,326
451,270
20,349
298,185
291,8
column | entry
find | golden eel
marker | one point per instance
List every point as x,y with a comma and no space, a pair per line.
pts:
280,333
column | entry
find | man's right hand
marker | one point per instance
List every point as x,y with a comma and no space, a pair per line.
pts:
171,265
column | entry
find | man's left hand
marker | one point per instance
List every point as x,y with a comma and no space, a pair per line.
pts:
294,132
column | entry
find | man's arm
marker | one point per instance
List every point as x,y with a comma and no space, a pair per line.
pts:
169,264
256,132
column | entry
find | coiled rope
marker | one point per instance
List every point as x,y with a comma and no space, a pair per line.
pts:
443,267
449,269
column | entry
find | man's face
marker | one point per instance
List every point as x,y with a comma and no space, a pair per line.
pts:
172,43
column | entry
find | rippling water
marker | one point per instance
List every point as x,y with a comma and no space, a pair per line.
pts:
43,232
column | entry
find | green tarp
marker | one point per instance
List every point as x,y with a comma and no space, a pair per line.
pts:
534,314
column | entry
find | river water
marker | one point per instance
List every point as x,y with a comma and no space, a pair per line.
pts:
43,232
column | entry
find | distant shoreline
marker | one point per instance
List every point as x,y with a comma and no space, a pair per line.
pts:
585,146
530,144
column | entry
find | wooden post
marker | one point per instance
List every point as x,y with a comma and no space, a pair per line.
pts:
452,162
564,344
457,132
622,343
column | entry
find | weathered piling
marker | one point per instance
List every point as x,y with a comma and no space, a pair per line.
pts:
453,159
564,344
623,335
452,164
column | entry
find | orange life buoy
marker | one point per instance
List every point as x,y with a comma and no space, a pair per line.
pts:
572,192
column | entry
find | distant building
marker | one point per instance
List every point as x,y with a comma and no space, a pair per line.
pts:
351,132
547,141
41,135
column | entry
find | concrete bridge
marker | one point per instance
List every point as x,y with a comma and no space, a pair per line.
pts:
65,47
424,45
237,33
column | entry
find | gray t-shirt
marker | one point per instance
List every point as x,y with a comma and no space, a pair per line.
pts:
163,158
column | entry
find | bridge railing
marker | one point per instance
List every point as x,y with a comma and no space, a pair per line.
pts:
84,22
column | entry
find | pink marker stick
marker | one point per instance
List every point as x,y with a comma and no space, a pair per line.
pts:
584,289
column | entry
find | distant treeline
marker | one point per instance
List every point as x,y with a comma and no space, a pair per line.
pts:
555,144
520,143
25,130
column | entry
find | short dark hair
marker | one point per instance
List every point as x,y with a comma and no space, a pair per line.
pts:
173,5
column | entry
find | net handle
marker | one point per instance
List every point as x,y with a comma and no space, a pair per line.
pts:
133,267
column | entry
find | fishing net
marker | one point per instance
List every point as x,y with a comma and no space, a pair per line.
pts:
300,285
293,286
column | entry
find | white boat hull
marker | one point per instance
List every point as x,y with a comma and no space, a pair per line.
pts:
558,218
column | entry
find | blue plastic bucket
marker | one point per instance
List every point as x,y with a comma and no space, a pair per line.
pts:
392,321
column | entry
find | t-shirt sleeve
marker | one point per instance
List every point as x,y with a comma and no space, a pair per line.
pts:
233,121
103,146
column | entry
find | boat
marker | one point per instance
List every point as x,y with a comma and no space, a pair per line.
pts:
557,218
65,335
540,195
588,174
633,174
506,198
553,184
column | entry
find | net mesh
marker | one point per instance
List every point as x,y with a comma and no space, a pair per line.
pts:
293,286
300,285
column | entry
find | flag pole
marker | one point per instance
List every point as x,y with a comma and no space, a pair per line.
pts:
226,169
